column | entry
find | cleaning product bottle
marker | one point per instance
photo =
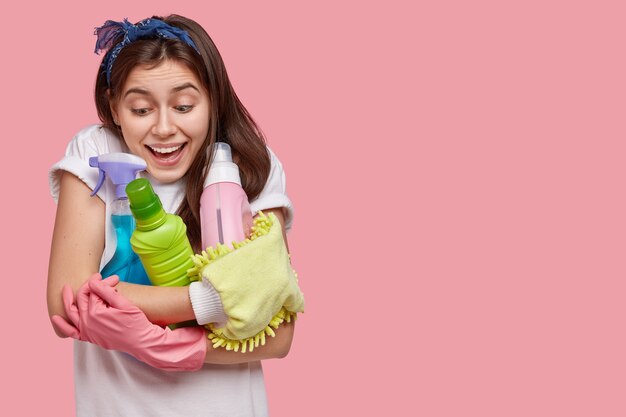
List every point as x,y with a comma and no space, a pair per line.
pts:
160,239
225,214
121,168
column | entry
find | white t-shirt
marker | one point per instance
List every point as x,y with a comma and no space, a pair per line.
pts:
109,383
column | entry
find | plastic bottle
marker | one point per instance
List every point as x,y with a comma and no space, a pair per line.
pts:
160,238
121,168
225,214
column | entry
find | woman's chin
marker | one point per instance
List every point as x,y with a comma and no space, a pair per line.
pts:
166,176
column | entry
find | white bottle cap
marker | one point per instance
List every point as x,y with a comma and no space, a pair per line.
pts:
222,169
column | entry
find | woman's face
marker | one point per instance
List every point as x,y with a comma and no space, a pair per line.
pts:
164,116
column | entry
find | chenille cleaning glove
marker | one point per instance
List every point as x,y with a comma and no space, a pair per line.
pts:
258,288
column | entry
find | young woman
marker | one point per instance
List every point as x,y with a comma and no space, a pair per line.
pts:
163,94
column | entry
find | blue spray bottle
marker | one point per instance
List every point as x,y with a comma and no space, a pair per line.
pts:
121,168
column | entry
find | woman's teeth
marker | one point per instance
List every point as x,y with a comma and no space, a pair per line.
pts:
165,150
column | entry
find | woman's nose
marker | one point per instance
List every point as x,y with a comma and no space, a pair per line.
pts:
164,125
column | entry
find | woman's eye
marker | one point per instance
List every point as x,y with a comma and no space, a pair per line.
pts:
141,112
183,108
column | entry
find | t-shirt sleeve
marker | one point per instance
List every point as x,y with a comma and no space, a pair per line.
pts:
274,194
89,142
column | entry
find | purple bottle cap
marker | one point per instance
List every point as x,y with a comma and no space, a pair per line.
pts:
121,168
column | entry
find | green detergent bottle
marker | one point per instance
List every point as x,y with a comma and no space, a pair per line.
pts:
160,239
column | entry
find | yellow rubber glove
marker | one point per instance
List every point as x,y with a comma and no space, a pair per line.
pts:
258,288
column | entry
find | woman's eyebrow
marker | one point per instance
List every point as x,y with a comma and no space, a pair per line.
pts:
137,91
184,86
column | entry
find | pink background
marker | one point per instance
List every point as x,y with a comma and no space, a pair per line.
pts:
458,175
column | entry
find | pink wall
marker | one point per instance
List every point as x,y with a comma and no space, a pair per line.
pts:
458,176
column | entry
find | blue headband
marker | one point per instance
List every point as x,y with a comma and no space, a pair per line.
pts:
146,29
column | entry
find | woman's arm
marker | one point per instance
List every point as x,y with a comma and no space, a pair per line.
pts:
275,347
77,241
162,305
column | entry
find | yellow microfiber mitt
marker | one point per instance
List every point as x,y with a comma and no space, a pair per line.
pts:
258,288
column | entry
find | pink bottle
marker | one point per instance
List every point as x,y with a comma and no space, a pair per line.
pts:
225,214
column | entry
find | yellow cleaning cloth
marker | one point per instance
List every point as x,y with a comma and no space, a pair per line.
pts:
258,288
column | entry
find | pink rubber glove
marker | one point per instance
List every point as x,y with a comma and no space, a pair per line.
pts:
104,317
75,329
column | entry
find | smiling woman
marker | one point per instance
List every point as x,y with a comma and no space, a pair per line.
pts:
162,115
163,94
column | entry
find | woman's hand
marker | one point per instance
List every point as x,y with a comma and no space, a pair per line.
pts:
75,328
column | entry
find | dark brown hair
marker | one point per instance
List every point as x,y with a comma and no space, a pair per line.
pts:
229,121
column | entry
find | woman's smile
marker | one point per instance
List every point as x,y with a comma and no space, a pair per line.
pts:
167,155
